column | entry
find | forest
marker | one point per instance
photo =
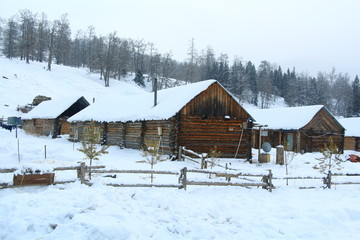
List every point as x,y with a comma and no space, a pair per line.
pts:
33,37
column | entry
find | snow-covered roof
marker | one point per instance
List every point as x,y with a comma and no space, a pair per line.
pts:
351,125
285,118
51,109
141,106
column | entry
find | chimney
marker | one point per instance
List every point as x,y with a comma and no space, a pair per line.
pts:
155,91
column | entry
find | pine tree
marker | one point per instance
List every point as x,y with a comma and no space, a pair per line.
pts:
139,78
89,145
356,97
331,158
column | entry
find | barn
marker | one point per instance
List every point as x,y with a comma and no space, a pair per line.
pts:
299,129
200,116
49,118
352,133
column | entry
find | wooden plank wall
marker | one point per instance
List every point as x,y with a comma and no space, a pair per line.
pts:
214,102
203,135
316,143
64,126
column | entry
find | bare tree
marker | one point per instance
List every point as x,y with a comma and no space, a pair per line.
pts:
166,70
112,46
28,34
52,31
42,38
191,62
62,40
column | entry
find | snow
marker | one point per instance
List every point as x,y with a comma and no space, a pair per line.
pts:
285,118
24,81
52,108
76,211
141,106
351,125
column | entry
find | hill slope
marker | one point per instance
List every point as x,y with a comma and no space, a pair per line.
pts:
21,82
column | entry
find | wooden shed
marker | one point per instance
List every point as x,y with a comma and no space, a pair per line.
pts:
50,117
352,133
200,116
299,129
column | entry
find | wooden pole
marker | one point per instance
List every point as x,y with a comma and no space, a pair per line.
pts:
18,149
259,143
45,150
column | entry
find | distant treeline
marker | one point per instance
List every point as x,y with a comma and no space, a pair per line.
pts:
33,37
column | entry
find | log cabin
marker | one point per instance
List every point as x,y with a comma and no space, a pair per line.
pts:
352,133
49,118
201,117
300,129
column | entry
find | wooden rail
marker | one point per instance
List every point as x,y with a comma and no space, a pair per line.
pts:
251,180
265,181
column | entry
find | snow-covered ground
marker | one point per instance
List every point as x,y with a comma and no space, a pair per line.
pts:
75,211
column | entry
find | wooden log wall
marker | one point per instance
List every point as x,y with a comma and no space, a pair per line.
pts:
77,130
350,143
43,127
134,135
167,143
202,136
115,134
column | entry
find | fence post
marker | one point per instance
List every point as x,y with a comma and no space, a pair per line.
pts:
180,154
280,155
82,172
267,179
182,177
271,186
202,163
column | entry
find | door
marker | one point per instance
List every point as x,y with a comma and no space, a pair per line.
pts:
289,145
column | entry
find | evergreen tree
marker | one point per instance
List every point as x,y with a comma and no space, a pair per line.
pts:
139,78
279,82
236,78
356,97
89,145
250,73
10,39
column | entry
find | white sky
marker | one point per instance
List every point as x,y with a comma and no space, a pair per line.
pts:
311,35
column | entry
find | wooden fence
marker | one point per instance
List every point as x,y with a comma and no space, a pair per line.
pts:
208,178
81,172
265,181
327,180
204,162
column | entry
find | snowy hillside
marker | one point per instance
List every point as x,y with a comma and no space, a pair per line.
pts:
21,82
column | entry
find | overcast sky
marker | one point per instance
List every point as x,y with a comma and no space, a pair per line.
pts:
310,35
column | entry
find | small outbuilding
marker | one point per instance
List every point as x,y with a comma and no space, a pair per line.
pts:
352,133
299,129
201,117
50,117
